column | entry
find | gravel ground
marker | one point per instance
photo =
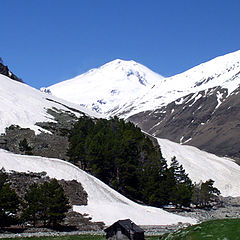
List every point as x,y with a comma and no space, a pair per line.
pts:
230,208
42,234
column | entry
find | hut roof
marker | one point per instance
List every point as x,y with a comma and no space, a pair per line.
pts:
128,225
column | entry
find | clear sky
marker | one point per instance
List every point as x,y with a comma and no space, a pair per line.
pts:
48,41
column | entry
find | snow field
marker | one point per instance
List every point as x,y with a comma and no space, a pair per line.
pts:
104,204
202,166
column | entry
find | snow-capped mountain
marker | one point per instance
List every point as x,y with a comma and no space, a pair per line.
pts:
126,87
104,204
223,71
199,107
23,105
108,88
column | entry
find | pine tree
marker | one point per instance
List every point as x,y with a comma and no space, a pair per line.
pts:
181,192
9,202
24,147
77,148
154,181
120,155
47,203
58,203
33,206
204,194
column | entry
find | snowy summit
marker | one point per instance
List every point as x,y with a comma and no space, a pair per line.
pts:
126,87
109,87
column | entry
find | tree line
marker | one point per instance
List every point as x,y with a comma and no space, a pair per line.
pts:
119,154
44,204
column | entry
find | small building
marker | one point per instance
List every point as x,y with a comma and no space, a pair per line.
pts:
124,230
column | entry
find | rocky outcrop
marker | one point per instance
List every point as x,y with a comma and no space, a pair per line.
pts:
21,182
5,71
51,143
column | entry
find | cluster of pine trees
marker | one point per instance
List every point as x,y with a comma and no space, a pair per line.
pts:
44,204
120,155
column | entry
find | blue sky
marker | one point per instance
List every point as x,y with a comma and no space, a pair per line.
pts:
48,41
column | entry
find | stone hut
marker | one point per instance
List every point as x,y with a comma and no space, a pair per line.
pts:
124,230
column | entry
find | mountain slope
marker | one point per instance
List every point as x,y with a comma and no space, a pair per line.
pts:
104,204
202,166
201,110
108,88
223,71
23,105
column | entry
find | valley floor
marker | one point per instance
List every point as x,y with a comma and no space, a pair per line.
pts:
230,208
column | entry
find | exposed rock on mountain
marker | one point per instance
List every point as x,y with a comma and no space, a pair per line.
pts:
21,182
199,120
5,71
50,143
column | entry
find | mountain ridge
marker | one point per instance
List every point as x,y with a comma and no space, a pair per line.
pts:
189,108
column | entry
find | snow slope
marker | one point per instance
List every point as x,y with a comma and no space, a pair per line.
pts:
222,71
109,87
23,105
202,166
125,87
104,204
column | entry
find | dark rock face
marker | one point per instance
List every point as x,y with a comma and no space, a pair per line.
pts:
5,71
199,120
75,191
21,182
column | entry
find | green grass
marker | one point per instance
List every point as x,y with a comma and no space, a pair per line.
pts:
224,229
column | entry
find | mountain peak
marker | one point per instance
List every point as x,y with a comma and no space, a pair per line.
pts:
109,86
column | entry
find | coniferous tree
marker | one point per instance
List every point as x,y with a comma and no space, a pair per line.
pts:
33,207
119,154
155,182
55,203
9,202
24,147
204,194
181,192
47,203
77,138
